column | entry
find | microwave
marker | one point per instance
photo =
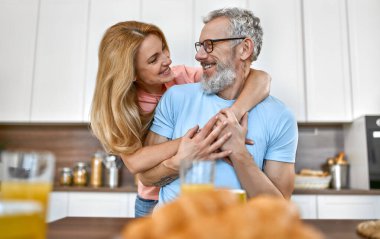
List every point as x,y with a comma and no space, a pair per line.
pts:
362,147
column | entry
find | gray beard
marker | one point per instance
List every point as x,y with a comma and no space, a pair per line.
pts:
224,77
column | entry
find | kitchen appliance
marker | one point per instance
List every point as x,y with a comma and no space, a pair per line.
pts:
362,146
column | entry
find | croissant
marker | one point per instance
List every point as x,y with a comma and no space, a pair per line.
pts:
219,214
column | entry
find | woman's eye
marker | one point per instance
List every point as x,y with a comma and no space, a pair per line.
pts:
152,61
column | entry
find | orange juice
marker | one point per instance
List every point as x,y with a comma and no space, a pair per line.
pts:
240,194
21,220
36,191
195,188
31,226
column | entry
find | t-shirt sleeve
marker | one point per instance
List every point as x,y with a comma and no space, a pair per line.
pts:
186,74
284,138
163,121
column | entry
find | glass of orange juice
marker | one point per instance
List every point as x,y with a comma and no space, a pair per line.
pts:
197,175
27,176
21,219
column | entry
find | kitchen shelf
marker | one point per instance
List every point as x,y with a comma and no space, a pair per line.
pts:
122,189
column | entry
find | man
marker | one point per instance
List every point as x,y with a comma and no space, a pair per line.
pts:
230,41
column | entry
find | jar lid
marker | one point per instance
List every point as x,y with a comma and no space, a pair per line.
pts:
81,164
66,170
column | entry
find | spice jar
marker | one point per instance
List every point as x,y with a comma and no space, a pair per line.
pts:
96,169
80,174
66,177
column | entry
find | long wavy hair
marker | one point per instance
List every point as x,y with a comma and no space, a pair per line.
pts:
116,118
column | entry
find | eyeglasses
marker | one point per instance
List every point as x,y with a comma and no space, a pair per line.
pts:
208,44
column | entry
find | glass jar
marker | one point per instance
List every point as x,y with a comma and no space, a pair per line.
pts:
66,177
80,174
97,169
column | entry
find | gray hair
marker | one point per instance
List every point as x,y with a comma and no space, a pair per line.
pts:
242,23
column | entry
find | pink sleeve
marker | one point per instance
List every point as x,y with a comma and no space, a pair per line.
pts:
186,74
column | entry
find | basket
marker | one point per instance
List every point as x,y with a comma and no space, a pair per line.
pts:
312,182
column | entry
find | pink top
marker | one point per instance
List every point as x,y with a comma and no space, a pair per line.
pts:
148,103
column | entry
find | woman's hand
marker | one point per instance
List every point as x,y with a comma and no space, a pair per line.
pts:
201,144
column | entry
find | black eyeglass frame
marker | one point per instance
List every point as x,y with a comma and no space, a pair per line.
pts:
199,44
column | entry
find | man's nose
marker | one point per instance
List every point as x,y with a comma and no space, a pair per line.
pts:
201,54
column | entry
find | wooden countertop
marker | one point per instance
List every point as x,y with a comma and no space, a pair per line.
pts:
133,189
99,228
122,189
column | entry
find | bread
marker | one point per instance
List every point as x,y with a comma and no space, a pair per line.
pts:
220,215
314,173
369,229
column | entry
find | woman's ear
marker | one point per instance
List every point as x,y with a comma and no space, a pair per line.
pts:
246,50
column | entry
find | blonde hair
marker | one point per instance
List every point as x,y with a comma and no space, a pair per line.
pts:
116,118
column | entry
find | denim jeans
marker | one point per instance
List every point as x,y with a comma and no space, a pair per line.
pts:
144,207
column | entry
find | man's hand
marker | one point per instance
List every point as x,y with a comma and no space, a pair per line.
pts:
203,144
236,143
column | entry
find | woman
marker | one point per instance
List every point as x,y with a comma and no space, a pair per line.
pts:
134,72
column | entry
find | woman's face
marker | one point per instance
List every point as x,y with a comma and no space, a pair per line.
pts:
153,65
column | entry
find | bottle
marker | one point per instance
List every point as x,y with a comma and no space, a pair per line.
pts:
96,169
80,174
66,177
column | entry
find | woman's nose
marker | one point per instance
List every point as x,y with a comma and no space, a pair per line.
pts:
167,61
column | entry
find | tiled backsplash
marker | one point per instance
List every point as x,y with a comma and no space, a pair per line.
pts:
73,143
317,143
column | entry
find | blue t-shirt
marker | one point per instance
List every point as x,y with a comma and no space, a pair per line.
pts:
271,125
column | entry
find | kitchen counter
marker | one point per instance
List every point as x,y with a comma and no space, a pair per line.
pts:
133,189
336,192
96,228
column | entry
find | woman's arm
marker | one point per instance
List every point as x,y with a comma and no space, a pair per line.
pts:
256,89
150,156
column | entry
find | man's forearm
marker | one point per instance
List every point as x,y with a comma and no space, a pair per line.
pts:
159,176
252,179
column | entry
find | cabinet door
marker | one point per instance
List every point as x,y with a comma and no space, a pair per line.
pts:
328,85
307,205
131,204
103,14
364,29
282,51
90,204
348,207
58,206
18,27
174,18
58,92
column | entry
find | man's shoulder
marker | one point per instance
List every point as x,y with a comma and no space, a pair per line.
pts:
275,107
189,88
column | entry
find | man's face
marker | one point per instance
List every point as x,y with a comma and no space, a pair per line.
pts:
218,65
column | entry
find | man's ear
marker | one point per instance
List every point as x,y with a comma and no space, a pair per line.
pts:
246,49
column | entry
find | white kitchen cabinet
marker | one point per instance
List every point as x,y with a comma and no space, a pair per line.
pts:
348,207
307,205
59,77
18,27
328,87
91,204
282,50
58,206
364,29
102,15
174,18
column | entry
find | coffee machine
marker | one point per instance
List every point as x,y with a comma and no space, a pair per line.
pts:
362,146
